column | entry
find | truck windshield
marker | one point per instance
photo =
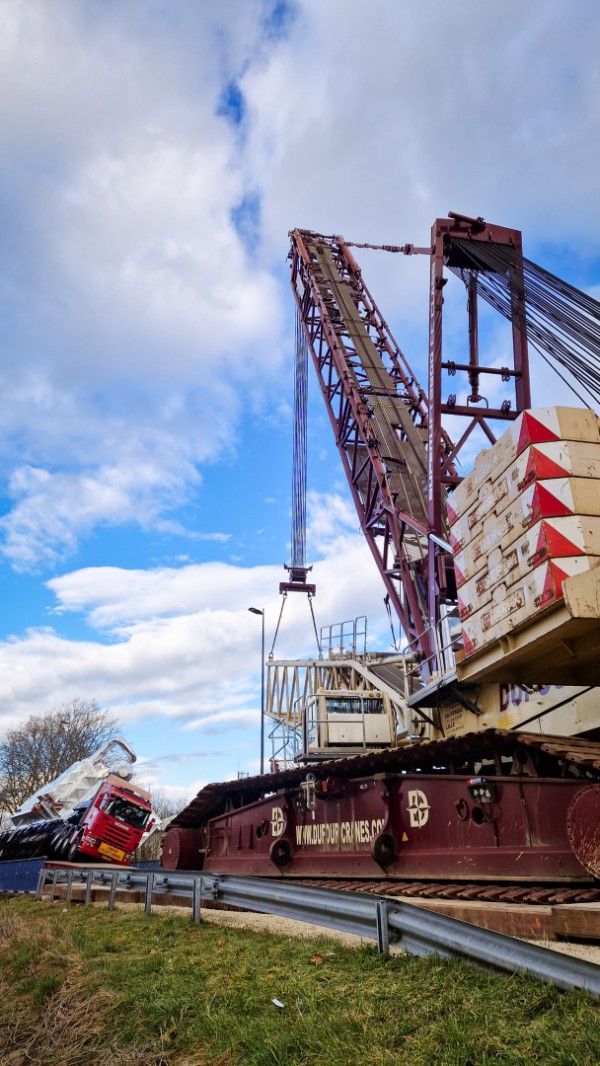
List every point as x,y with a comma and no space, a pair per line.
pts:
127,812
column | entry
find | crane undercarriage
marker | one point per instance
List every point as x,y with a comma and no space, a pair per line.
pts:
495,807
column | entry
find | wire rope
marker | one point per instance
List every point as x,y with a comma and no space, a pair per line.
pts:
561,322
298,559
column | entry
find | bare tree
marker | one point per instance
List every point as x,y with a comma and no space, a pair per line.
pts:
47,744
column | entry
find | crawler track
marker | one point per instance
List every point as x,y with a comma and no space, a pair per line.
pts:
553,755
534,894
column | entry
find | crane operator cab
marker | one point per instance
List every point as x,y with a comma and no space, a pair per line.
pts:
345,722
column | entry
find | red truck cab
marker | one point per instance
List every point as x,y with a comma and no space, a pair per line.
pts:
116,821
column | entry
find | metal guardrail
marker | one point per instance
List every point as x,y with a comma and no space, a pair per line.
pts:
384,920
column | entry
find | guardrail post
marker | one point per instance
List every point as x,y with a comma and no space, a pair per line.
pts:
196,899
88,886
54,880
42,876
69,884
149,891
383,929
112,890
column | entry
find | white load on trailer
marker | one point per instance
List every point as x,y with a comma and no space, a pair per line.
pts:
58,798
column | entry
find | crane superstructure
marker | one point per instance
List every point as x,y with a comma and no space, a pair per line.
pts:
402,468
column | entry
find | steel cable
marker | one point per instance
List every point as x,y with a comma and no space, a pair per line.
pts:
561,322
298,558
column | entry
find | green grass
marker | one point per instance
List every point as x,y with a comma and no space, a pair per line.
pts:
87,987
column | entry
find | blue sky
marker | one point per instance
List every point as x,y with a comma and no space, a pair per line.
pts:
153,156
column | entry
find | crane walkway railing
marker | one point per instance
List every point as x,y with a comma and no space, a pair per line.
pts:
383,920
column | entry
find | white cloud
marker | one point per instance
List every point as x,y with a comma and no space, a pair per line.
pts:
136,310
166,258
54,509
182,646
132,183
113,598
177,796
329,517
140,312
128,602
392,120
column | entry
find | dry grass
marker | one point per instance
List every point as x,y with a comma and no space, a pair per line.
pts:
11,926
57,1018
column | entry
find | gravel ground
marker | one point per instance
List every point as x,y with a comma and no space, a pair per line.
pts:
270,923
581,950
259,923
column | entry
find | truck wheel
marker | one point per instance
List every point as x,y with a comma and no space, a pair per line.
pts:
73,851
63,847
58,843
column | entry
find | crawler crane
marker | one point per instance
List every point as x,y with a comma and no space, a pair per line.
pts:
470,759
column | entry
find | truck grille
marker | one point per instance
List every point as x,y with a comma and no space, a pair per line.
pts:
116,834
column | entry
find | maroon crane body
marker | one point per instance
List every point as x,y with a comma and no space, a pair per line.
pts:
483,807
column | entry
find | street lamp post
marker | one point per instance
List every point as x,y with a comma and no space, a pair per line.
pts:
256,610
